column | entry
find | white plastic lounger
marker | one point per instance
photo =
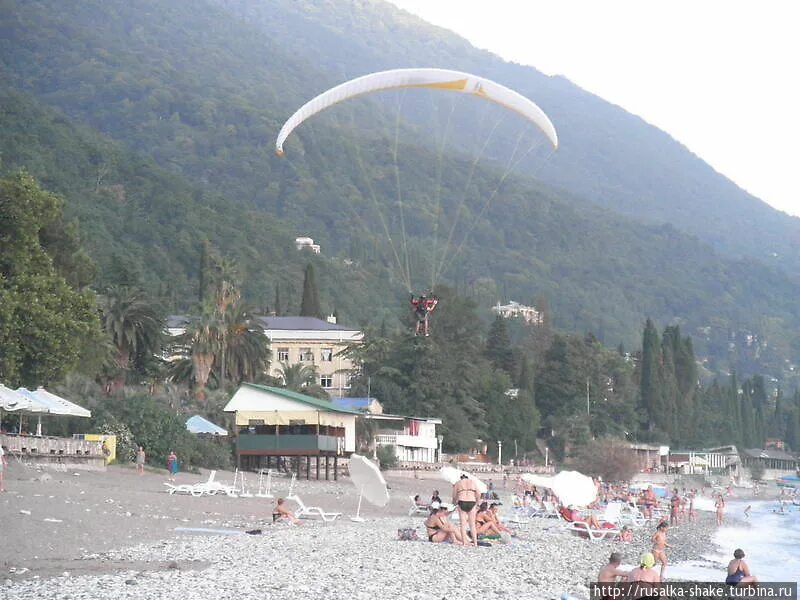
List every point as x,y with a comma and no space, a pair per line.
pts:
416,509
306,512
593,534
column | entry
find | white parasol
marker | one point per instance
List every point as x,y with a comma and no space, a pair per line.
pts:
369,481
452,475
571,487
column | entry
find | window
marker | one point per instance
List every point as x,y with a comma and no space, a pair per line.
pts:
306,355
326,354
326,381
283,355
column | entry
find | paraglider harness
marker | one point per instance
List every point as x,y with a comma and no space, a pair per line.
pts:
423,306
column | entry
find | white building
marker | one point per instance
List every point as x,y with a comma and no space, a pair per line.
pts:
303,340
313,342
414,438
306,242
515,309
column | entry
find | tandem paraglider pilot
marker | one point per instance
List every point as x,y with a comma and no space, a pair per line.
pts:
423,307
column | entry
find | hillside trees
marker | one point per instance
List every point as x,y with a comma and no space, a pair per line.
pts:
46,322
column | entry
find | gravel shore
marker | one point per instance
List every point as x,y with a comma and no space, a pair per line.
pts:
116,537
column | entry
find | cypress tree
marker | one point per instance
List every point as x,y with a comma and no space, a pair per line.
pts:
650,384
310,306
277,299
498,346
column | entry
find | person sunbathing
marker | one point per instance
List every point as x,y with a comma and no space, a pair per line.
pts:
484,521
281,512
495,516
573,516
439,528
420,502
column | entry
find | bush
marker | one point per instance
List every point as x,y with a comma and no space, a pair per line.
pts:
608,458
387,457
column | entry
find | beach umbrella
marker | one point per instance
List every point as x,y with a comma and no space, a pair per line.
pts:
369,481
571,487
452,475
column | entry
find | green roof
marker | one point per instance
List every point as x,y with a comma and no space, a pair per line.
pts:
297,396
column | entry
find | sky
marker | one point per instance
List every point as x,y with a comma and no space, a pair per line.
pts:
720,76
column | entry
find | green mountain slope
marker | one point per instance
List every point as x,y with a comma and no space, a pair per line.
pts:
200,91
606,154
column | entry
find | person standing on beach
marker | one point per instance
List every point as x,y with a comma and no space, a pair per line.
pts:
3,464
674,508
720,506
610,572
466,496
172,465
140,456
660,546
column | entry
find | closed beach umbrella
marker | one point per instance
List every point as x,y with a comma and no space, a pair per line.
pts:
369,481
571,487
452,475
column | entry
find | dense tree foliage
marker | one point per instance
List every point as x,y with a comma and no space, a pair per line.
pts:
46,324
204,91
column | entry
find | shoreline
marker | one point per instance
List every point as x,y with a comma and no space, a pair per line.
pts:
116,538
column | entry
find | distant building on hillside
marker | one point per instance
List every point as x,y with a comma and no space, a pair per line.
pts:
306,242
514,309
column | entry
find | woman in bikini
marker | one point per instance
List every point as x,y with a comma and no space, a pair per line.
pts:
738,571
439,528
485,522
466,496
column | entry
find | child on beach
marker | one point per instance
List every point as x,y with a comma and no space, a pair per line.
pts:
626,535
660,545
747,511
720,506
283,513
140,456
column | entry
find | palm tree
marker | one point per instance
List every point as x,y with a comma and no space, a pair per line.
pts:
199,344
133,323
297,376
245,349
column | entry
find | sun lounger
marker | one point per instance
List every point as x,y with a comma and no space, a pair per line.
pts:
416,509
584,530
306,512
183,488
630,515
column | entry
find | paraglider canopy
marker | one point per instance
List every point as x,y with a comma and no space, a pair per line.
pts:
437,79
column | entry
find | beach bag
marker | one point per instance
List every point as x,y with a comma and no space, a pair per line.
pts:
407,535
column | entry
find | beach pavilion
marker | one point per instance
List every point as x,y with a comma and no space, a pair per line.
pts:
286,430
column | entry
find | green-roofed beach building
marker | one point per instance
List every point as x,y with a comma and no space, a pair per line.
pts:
281,429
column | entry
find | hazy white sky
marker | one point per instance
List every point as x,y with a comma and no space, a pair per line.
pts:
720,76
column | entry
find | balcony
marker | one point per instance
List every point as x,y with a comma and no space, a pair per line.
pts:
409,441
287,444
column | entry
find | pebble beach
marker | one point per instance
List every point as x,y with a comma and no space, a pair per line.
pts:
119,535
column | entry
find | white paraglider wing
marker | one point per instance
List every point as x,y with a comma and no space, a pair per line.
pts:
438,79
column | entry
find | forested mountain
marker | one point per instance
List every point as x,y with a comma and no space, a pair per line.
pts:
186,99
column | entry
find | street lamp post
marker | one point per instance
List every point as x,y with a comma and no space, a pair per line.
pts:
546,452
499,453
